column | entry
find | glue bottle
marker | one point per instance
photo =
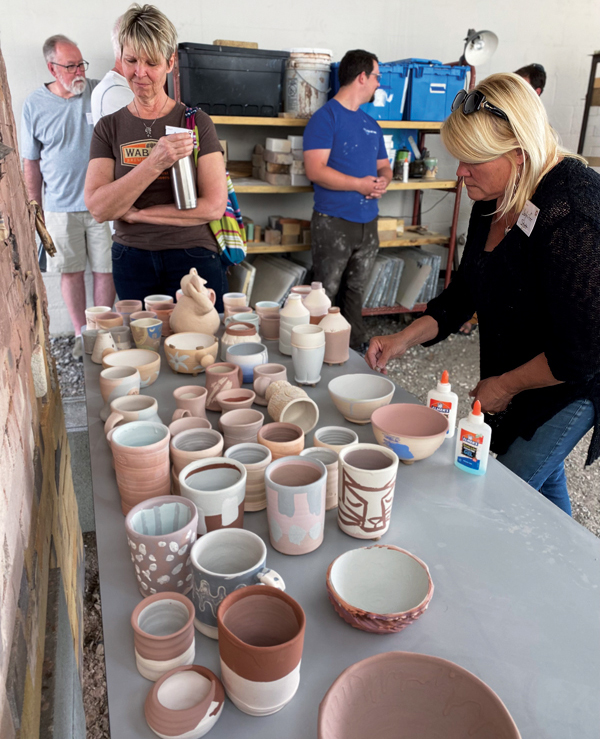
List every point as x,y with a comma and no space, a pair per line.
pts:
443,400
473,442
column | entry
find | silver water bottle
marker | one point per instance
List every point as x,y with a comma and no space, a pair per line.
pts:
183,181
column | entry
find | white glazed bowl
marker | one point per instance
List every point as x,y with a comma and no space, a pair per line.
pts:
357,396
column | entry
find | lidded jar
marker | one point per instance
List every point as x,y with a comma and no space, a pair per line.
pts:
292,314
238,333
317,302
337,337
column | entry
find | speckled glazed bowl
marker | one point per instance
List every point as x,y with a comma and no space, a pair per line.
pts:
410,430
380,589
427,696
357,396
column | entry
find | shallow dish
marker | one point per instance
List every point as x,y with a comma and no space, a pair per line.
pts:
190,353
357,396
427,696
410,430
380,589
145,361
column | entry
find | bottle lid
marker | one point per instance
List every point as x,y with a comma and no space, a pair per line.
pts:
445,377
316,285
476,416
334,309
444,383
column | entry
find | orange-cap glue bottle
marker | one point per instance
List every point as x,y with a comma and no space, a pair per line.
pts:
443,400
473,442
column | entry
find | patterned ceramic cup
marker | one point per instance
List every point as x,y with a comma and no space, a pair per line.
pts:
115,382
146,333
224,561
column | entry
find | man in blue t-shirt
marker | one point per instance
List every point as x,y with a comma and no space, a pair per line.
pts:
346,160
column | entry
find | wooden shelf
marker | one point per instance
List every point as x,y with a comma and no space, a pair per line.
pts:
408,239
422,185
259,247
389,309
247,120
250,185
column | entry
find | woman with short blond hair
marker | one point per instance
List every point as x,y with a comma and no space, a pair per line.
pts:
533,248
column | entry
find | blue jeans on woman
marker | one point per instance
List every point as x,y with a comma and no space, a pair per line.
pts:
541,460
139,272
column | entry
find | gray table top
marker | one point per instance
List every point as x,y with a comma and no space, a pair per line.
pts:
516,601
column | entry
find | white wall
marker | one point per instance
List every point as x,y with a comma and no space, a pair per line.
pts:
559,35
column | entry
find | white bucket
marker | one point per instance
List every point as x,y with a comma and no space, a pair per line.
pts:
306,81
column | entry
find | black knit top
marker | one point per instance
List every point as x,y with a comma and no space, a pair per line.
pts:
535,294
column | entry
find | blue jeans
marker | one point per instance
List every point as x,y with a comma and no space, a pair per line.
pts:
139,272
541,460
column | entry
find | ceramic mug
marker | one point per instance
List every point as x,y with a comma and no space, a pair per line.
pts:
132,408
92,313
261,637
217,486
264,375
146,333
221,376
115,382
248,356
224,561
191,398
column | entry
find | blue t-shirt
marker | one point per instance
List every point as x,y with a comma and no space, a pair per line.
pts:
58,132
356,143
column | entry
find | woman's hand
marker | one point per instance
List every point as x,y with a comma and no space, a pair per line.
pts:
170,149
382,349
493,394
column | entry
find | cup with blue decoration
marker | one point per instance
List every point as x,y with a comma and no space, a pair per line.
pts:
146,333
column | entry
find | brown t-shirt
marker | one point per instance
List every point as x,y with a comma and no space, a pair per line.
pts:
121,137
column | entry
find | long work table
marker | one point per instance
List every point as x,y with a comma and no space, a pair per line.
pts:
516,601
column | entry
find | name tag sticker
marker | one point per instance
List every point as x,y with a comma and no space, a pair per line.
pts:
528,218
90,120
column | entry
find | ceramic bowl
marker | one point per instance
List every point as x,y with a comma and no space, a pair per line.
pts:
145,361
411,430
357,396
190,353
233,400
427,696
380,589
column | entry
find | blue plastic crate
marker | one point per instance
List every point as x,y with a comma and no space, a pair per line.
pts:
389,98
432,88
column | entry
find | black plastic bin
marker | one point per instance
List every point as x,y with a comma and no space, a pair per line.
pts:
227,80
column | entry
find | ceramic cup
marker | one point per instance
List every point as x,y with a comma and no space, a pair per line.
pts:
282,439
122,337
335,437
163,634
367,478
255,458
296,488
109,320
151,300
131,408
185,703
269,327
163,313
188,422
191,398
307,360
267,308
160,533
141,314
221,376
246,317
331,461
240,426
290,404
261,636
92,313
89,336
217,486
192,444
264,375
235,400
237,333
116,382
224,561
103,345
126,307
146,333
248,356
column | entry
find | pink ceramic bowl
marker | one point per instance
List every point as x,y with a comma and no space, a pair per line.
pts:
380,588
411,430
427,696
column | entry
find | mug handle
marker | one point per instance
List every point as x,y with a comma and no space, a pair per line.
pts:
261,384
113,420
271,578
179,413
240,375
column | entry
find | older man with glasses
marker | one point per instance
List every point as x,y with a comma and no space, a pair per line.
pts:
56,131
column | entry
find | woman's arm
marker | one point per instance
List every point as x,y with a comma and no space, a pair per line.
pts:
384,348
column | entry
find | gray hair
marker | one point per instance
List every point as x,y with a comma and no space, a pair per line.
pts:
49,47
147,30
114,37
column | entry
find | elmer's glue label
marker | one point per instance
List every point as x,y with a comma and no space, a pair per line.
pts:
473,442
443,400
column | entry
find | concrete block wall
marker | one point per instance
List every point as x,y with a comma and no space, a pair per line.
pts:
38,509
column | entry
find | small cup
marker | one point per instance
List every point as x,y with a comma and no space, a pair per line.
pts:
131,408
264,375
255,458
150,300
89,339
92,313
122,337
126,307
233,400
240,426
142,314
335,437
331,461
109,320
188,422
247,356
146,333
192,444
269,327
283,439
191,398
115,382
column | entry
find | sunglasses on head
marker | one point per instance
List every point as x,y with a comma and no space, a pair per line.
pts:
476,100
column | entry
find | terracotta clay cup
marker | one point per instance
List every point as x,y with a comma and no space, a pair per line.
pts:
255,458
191,398
89,336
128,408
217,486
92,313
367,478
414,691
185,703
290,404
261,637
296,488
122,337
126,307
219,377
146,333
163,634
190,353
192,444
103,346
269,328
141,458
115,382
224,561
188,422
146,361
335,438
109,320
282,439
331,462
142,314
357,396
411,430
163,313
160,534
151,300
235,400
381,589
264,375
241,426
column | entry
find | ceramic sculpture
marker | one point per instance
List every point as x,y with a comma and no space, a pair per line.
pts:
195,311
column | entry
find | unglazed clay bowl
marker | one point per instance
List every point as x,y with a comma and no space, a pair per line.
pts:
145,361
357,396
410,430
190,353
427,696
233,400
380,589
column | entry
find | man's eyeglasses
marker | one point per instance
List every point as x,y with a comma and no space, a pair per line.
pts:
72,68
376,74
476,100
